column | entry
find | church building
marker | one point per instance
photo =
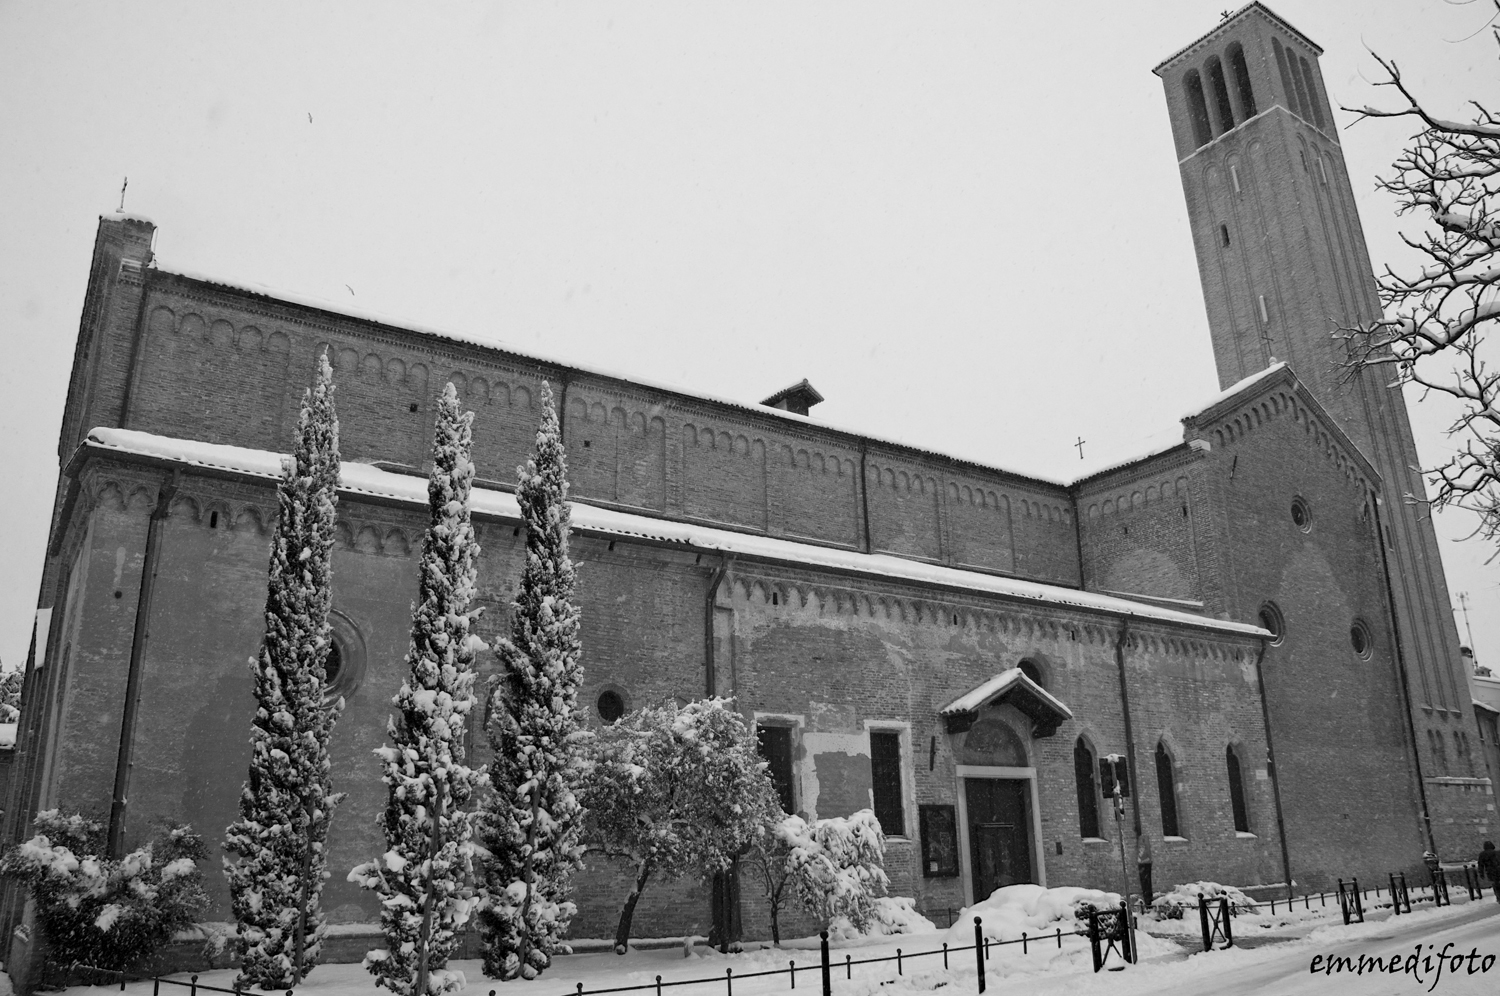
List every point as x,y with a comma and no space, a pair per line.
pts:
1253,617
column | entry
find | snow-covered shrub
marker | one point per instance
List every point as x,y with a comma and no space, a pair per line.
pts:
103,913
892,915
423,877
531,826
1184,898
277,859
837,866
676,792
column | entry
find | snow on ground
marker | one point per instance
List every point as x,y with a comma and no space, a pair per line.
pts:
1166,966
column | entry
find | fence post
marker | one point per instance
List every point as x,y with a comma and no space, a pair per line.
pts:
194,990
898,962
658,984
979,951
827,974
945,955
1059,938
1203,922
729,981
792,962
1359,904
1023,951
1224,912
1094,938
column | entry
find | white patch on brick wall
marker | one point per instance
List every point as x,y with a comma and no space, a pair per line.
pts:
813,744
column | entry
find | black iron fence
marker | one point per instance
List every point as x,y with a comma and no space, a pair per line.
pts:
826,969
1215,921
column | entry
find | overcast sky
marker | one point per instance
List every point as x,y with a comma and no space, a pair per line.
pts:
961,221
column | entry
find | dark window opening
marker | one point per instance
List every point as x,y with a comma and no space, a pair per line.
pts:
1313,103
1192,86
333,663
412,407
1286,79
1301,514
1030,670
1242,86
1109,786
1237,791
1359,638
213,520
885,781
775,599
1224,234
1299,84
1272,621
1221,94
611,705
1166,788
776,747
1088,798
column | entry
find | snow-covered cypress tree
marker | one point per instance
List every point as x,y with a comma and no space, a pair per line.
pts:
532,823
423,877
278,842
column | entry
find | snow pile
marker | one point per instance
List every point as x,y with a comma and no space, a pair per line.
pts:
1184,898
891,915
1032,909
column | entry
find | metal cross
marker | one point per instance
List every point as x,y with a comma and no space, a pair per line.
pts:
1079,444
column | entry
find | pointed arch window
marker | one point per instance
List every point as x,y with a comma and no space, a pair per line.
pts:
1237,790
1166,788
1088,790
1192,88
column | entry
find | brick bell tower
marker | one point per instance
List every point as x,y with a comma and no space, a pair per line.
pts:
1282,259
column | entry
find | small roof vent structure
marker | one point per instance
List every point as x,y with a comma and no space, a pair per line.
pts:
797,399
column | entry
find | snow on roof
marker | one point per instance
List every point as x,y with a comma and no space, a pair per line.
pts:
7,736
1234,389
364,479
976,699
395,321
1485,706
1225,22
1157,443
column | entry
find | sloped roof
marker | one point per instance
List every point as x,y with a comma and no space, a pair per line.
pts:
365,479
1012,686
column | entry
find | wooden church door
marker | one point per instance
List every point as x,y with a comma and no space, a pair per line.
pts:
999,833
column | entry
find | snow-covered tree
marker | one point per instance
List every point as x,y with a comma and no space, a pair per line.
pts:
532,824
677,792
10,694
100,912
837,866
278,843
423,877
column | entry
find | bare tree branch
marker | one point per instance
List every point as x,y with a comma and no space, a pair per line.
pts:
1438,314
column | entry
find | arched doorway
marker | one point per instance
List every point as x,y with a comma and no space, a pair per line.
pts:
998,808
